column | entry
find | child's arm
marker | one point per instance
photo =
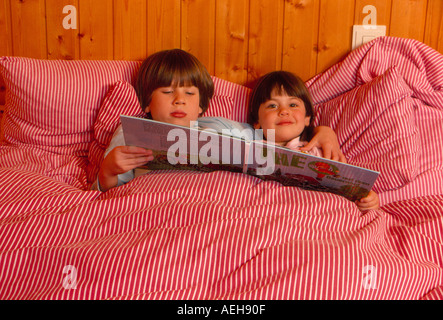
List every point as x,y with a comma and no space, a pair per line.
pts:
326,139
371,201
120,160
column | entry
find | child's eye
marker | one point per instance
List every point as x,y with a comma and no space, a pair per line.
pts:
293,105
271,106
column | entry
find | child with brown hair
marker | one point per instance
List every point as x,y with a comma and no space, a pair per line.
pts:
172,86
281,106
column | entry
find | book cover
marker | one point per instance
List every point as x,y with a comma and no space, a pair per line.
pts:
184,148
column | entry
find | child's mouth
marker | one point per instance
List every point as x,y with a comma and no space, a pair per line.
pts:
284,123
178,114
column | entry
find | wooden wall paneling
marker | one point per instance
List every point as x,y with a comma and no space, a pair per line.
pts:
434,25
28,26
231,40
336,19
198,30
408,18
383,8
300,37
130,29
265,38
5,28
62,43
96,29
163,25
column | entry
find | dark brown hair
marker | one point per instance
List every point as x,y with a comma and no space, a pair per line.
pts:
163,68
282,82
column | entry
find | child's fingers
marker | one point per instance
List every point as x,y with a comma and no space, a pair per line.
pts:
135,150
311,144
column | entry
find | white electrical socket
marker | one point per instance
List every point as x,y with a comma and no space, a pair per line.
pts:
362,34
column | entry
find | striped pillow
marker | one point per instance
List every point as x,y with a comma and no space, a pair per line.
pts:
230,101
53,104
375,125
121,99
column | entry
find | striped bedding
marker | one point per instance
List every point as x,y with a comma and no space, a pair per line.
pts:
223,235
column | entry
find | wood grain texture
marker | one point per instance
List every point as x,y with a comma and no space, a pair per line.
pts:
434,25
96,29
5,28
300,37
335,31
237,40
130,32
163,25
231,40
198,30
28,26
266,19
408,19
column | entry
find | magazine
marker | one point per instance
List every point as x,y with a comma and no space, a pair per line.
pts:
177,147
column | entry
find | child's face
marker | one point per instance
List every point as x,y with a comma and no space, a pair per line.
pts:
284,114
175,105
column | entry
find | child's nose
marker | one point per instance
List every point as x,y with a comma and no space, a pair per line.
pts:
283,111
179,98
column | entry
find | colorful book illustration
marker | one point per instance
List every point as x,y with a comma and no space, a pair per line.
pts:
177,147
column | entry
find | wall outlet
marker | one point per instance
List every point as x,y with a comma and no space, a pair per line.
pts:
362,34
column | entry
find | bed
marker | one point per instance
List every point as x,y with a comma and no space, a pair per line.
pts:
177,235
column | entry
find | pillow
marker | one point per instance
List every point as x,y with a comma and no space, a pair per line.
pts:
52,104
121,99
375,125
230,101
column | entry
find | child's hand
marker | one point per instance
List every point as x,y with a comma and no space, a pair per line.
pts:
370,202
326,139
120,160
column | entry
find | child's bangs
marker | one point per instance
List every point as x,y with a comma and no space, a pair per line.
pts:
182,76
286,87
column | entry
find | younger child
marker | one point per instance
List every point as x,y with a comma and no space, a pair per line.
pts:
172,86
281,102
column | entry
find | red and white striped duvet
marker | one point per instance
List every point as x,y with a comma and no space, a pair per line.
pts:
221,235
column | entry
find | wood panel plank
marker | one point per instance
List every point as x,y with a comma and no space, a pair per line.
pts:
231,40
28,25
198,30
96,29
130,29
163,25
335,32
408,19
5,28
434,25
300,37
62,43
266,20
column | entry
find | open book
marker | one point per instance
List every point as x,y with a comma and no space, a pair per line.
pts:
178,147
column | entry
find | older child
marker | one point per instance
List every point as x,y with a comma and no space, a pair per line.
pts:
280,103
174,87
